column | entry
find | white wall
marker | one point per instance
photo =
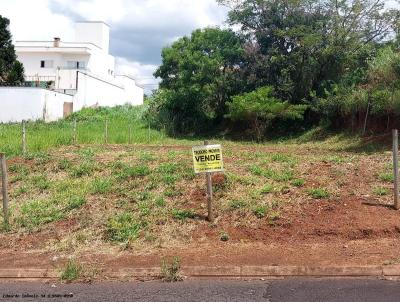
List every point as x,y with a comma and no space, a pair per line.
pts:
20,103
97,33
134,93
93,91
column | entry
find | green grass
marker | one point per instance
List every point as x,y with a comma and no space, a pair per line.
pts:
298,182
38,212
101,186
90,131
319,193
123,227
379,191
72,271
237,204
386,177
260,211
183,214
83,169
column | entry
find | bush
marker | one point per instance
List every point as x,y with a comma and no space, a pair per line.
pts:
260,109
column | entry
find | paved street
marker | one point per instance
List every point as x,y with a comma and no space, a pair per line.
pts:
306,290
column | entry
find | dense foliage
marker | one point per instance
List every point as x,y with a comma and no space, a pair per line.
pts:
199,75
11,70
338,57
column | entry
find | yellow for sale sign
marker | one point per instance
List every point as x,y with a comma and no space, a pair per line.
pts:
207,159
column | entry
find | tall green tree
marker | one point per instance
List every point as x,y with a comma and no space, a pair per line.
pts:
198,76
302,47
11,70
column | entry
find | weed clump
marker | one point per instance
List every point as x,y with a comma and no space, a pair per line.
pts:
183,214
71,272
319,193
170,270
123,227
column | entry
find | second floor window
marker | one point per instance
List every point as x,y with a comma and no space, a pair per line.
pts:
76,64
46,64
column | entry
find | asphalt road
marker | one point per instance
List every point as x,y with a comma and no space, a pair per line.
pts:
307,290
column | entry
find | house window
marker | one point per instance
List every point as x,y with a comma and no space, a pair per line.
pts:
46,64
76,64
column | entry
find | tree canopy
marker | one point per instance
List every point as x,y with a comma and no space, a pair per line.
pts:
335,56
11,70
199,74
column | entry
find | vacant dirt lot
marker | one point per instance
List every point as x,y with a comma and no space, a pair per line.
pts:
132,205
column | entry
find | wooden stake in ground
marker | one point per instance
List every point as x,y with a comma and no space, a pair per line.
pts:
4,187
130,134
23,138
74,138
396,168
209,193
148,139
106,132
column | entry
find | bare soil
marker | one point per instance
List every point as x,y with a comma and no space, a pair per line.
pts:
354,226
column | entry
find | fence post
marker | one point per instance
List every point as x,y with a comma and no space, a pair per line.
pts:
396,168
23,138
74,133
106,132
4,187
148,139
130,134
209,193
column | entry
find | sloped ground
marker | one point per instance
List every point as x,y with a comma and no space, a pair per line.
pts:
132,205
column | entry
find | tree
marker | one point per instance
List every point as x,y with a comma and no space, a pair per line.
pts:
305,46
260,110
198,76
11,70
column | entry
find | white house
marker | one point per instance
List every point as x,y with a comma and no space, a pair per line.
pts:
81,73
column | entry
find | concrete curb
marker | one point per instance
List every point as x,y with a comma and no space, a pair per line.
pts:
221,272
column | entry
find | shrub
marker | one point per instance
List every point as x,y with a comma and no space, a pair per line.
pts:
261,109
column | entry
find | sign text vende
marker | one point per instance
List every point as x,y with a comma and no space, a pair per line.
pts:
207,158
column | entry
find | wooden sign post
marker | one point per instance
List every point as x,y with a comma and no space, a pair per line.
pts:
208,159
